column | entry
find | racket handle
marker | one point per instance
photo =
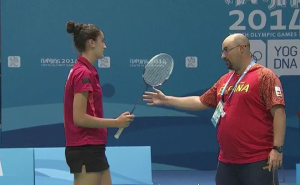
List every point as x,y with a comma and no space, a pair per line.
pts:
117,135
120,130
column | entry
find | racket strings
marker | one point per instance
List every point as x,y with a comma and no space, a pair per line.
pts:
158,70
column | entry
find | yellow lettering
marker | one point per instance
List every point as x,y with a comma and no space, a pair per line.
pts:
221,89
239,87
229,89
246,88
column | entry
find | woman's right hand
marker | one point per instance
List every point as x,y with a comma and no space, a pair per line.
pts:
124,120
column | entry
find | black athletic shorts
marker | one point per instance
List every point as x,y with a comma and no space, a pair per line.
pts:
92,156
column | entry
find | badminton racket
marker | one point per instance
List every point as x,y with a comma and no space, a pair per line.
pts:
156,72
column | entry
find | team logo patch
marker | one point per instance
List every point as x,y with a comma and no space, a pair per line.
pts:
86,80
278,91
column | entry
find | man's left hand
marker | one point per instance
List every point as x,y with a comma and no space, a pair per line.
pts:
275,160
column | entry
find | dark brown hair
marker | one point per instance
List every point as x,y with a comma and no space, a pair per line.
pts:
82,33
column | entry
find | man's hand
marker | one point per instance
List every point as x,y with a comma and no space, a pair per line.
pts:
275,160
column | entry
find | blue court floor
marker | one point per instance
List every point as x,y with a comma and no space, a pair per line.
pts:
204,177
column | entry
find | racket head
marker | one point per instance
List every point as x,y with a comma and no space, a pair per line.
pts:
158,69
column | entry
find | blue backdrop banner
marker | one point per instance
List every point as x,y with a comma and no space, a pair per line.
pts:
37,54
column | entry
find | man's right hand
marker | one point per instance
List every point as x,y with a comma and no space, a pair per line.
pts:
155,98
124,120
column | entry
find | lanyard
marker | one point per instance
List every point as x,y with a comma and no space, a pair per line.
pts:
235,85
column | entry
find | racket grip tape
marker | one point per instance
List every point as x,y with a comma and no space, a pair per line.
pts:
117,135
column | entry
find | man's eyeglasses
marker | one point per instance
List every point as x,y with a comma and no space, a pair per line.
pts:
226,50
